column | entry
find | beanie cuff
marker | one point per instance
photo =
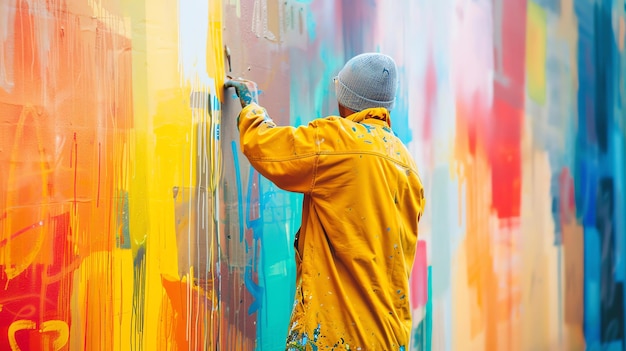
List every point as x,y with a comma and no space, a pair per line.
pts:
356,102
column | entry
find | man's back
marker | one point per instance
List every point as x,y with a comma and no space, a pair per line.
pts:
357,241
356,245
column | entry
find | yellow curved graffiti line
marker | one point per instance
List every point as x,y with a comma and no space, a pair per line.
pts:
16,326
12,269
51,326
59,327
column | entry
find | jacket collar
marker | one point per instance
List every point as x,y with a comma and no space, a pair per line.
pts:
375,115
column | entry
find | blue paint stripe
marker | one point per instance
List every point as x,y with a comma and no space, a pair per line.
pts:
592,268
233,145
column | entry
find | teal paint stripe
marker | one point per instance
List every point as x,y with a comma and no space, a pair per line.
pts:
429,311
233,145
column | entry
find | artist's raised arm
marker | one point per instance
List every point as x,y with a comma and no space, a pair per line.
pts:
285,155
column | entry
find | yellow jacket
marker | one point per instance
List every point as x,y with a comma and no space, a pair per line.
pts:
354,251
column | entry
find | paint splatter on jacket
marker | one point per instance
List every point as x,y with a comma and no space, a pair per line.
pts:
355,248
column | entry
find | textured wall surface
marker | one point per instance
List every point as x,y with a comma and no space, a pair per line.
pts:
129,220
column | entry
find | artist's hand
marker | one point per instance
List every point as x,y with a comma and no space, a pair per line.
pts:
246,90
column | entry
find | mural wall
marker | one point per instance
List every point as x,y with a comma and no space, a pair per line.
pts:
129,220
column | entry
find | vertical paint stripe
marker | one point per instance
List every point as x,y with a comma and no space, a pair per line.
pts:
239,190
429,310
536,42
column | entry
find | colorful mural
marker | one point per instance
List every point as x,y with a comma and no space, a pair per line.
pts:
129,220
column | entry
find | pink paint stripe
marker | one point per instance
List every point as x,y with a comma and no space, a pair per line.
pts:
419,277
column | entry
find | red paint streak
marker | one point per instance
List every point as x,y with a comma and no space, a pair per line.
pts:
64,259
21,231
477,113
419,276
506,163
506,123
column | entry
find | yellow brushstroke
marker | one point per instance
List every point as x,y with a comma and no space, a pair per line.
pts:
536,42
215,47
164,150
51,326
16,326
59,327
123,297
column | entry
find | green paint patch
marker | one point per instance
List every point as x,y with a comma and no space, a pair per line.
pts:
122,226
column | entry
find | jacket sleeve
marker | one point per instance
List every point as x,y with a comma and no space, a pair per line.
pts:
285,155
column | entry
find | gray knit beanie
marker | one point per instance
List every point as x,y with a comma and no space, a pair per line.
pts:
367,80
